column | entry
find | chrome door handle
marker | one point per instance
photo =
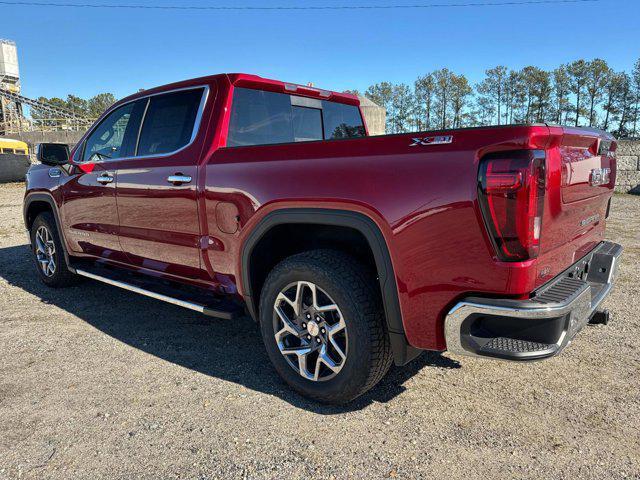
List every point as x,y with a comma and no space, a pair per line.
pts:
104,178
178,179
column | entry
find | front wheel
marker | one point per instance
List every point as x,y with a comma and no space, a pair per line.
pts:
323,325
48,252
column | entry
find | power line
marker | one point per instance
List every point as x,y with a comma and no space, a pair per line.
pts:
295,8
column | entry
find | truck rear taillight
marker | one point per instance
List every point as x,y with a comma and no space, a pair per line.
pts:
511,188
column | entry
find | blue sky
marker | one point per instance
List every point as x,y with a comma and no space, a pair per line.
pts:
87,51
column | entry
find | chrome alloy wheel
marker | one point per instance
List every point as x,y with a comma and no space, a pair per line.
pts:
45,250
310,331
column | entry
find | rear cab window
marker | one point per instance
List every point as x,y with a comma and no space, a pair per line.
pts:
260,118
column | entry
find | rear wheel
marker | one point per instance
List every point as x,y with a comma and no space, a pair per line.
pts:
323,325
48,252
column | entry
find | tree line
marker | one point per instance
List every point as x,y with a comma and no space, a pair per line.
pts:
90,108
580,93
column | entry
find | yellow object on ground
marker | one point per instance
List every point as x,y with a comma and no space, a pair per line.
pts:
14,160
10,146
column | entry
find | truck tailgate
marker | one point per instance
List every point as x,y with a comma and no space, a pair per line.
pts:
586,165
581,177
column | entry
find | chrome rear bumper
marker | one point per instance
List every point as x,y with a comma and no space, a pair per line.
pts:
541,326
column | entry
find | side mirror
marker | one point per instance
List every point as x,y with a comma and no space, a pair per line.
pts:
53,154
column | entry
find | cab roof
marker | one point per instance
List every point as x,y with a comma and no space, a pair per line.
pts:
256,82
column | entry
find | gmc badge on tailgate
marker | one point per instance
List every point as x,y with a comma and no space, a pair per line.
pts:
599,176
432,140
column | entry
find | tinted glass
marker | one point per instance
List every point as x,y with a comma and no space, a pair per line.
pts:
307,124
342,121
106,141
169,122
259,117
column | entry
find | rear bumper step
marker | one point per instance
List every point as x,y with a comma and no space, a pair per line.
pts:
502,346
541,326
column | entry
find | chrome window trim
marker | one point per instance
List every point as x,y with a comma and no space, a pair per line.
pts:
194,133
144,115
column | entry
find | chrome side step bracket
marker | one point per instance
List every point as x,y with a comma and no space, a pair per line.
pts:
159,296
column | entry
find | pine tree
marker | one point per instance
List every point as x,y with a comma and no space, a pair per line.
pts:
577,79
424,87
493,87
443,93
597,74
460,92
561,86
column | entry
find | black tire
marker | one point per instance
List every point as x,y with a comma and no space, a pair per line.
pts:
61,276
354,289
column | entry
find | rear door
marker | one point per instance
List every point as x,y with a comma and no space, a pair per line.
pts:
157,188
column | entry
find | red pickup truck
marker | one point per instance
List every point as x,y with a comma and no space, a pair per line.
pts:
233,193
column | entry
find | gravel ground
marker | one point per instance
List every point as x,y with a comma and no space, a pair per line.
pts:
96,382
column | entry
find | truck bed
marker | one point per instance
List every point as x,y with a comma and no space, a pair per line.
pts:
423,196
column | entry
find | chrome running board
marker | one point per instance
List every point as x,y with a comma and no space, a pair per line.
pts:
204,309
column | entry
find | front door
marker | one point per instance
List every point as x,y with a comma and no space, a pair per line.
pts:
156,190
89,210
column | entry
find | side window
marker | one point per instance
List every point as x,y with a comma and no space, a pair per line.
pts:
169,123
106,142
259,117
342,121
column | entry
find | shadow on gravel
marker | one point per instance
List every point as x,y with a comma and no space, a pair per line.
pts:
231,351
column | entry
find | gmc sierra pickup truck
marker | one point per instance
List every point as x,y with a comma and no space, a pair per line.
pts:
234,194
